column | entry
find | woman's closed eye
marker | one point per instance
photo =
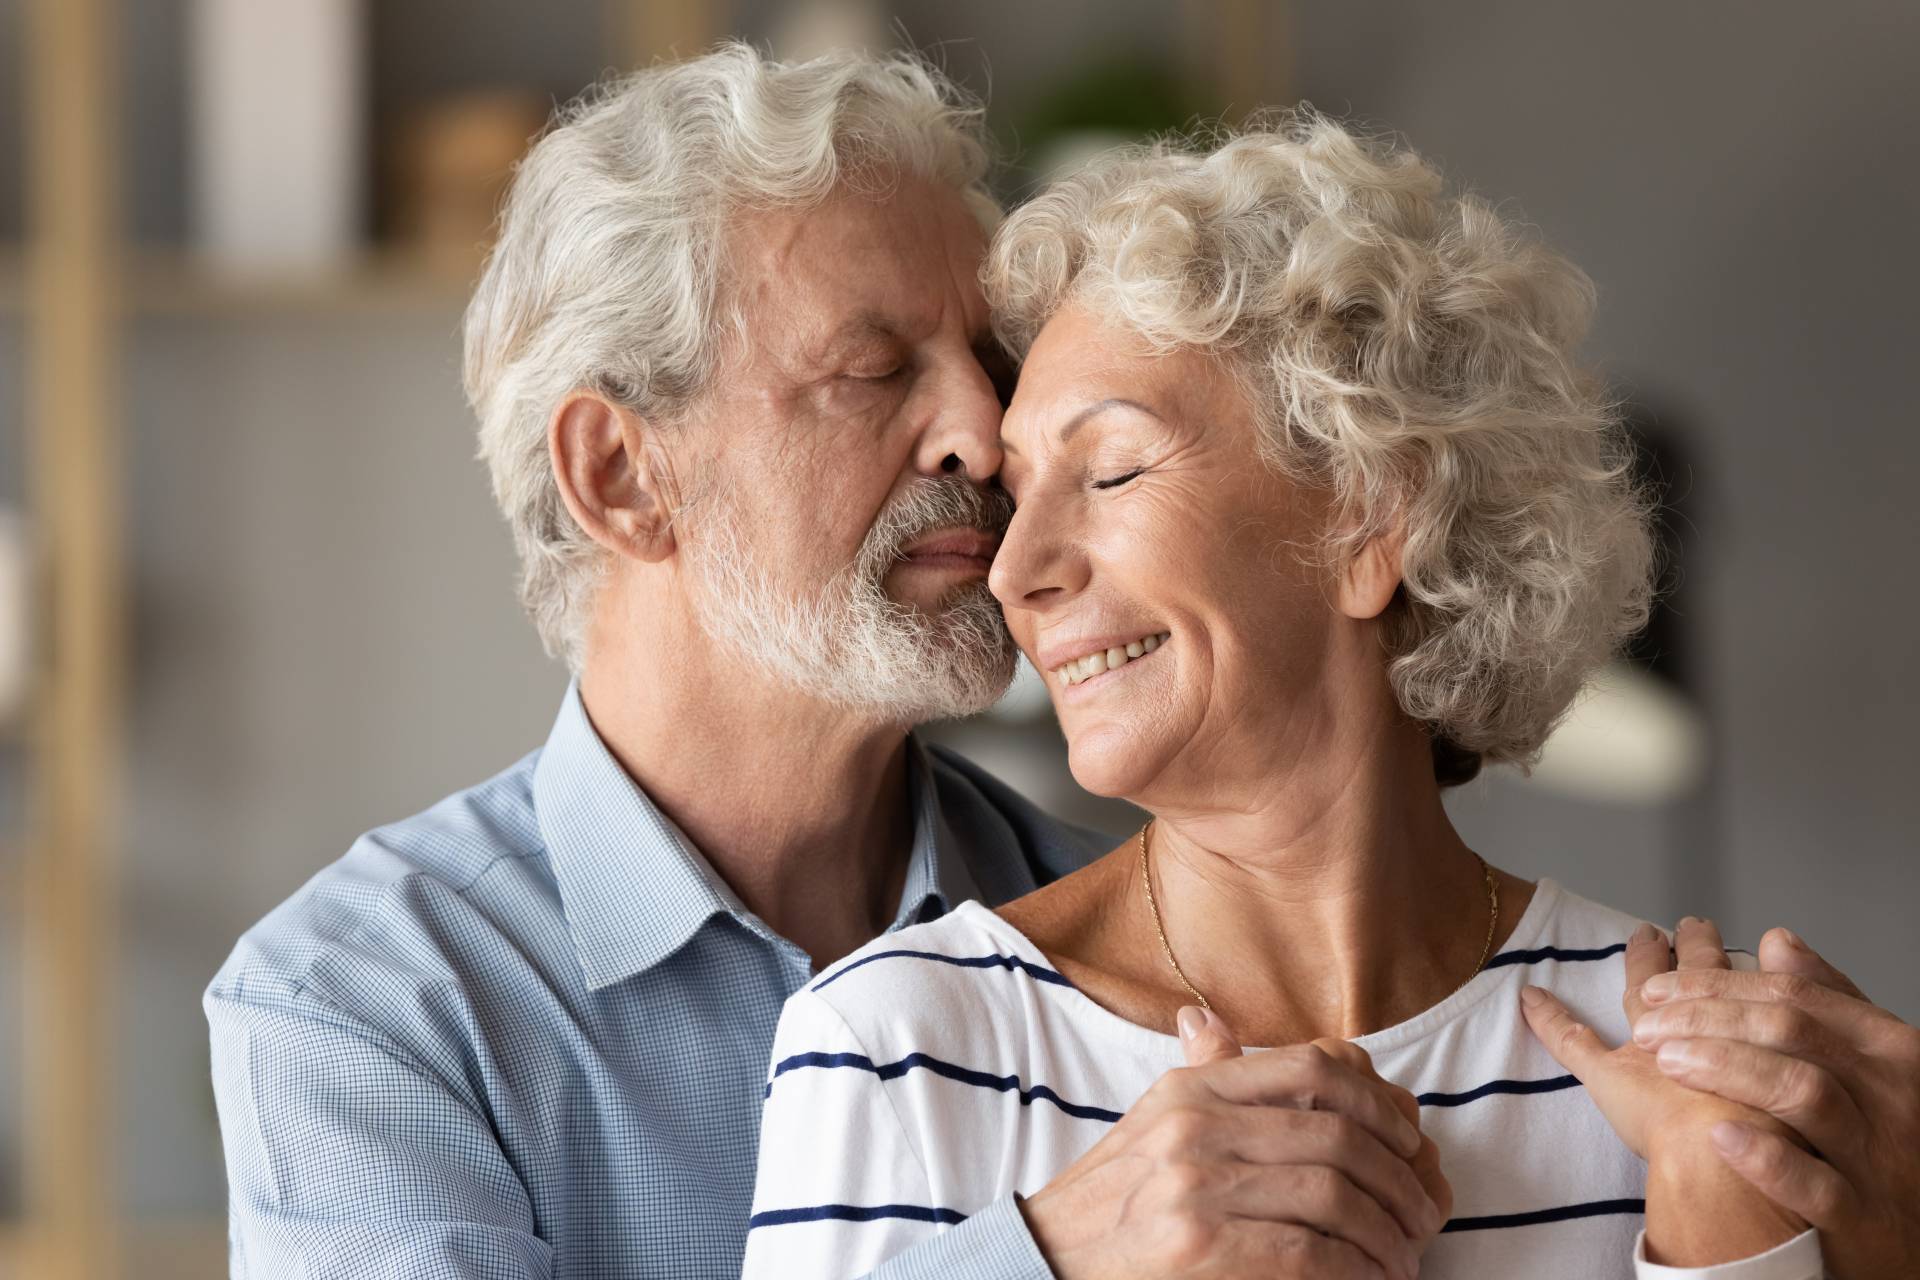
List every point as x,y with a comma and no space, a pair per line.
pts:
1114,482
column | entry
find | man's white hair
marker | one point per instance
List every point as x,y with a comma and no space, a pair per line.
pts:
610,270
1405,348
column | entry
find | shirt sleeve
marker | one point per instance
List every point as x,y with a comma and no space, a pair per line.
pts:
994,1244
346,1157
841,1191
1795,1259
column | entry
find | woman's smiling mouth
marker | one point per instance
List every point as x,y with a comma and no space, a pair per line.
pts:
1099,661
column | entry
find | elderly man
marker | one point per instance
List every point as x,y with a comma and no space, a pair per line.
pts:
738,394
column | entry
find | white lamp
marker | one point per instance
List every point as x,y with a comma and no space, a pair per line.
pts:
1631,739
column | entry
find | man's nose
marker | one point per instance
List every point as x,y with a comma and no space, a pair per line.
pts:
964,436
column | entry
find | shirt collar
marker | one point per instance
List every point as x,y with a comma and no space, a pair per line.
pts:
634,889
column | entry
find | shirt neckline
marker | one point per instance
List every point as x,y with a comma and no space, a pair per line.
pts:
634,889
1532,927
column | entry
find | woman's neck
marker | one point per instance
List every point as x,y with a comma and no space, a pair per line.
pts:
1328,905
1356,919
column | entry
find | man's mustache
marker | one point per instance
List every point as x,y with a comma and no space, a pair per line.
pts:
944,503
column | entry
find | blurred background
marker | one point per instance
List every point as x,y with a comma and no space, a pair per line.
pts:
240,516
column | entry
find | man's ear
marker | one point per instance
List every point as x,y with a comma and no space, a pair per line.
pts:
611,476
1369,578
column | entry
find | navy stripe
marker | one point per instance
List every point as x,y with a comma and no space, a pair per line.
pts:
1498,1086
1008,963
1555,953
1592,1209
854,1213
965,1075
1011,1084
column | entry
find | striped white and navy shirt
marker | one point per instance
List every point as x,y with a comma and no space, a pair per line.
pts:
939,1069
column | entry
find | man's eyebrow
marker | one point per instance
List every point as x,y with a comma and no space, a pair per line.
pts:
1093,410
859,327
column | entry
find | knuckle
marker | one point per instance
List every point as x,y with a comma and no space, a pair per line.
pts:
1814,1091
1188,1242
1342,1134
1320,1187
1792,1093
1179,1081
1791,986
1312,1061
1184,1181
1182,1128
1296,1247
1824,1200
1769,1159
1784,1024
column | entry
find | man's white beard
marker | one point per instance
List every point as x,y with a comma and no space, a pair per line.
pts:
847,642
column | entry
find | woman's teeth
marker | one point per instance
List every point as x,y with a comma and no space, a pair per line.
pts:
1094,663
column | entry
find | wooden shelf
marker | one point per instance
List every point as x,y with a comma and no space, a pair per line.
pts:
177,283
157,1249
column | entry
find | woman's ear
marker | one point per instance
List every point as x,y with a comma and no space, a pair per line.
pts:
1369,579
611,476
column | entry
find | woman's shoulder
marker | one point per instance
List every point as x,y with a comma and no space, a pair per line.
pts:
948,976
1576,925
1576,922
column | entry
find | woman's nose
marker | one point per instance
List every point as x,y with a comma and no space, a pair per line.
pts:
1036,565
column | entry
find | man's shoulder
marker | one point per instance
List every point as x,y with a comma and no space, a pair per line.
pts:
1052,847
387,901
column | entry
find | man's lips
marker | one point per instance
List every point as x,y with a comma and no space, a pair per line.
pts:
952,549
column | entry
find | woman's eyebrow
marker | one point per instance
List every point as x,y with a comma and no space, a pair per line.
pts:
1093,410
1098,407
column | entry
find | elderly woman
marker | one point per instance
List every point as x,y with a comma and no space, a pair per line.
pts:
1316,514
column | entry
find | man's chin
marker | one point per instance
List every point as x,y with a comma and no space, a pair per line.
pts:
929,594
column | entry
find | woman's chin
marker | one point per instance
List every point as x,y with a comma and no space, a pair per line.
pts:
1109,761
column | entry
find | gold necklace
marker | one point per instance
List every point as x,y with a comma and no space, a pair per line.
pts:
1146,878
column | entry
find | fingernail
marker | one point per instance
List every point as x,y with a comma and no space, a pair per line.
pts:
1730,1137
1685,921
1532,996
1191,1021
1647,1030
1657,988
1793,939
1645,933
1677,1055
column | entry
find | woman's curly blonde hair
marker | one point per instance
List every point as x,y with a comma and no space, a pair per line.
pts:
1404,348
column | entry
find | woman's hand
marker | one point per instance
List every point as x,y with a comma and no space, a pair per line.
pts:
1295,1162
1698,1211
1800,1041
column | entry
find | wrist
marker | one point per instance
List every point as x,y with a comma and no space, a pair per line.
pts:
1046,1229
1699,1211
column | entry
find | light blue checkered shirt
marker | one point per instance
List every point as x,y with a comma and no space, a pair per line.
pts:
525,1033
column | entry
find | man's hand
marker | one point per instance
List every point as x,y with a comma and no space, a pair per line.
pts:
1295,1162
1698,1213
1799,1041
